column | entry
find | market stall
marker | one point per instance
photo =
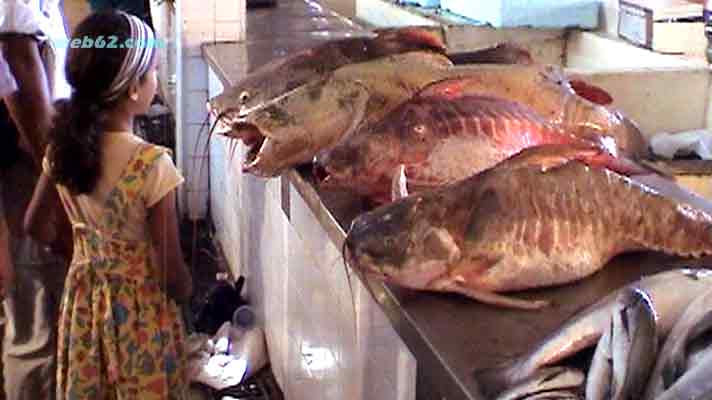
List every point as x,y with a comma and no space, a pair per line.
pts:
288,232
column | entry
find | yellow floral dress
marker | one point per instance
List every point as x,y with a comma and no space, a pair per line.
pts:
120,336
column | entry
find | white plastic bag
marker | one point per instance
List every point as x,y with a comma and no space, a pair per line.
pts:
684,143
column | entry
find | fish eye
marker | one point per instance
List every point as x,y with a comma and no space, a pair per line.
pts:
244,97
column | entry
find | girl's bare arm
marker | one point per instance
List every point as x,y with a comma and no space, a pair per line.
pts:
163,222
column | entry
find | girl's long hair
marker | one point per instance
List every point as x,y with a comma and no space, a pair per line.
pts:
74,151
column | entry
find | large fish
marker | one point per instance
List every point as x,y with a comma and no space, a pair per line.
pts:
547,216
297,125
312,118
576,107
670,293
437,140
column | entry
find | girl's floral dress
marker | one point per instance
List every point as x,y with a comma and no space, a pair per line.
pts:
120,336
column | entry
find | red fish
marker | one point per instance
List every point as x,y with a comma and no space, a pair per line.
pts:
437,140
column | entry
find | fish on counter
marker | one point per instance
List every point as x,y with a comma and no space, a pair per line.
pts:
695,384
574,105
626,352
437,140
671,364
670,293
634,344
546,380
287,124
313,119
284,74
548,216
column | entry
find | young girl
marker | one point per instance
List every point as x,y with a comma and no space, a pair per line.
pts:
120,331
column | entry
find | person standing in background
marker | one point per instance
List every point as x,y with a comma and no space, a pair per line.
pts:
28,29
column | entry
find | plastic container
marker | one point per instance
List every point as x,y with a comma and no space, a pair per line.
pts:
250,344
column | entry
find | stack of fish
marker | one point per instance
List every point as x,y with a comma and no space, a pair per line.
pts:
652,341
489,178
500,175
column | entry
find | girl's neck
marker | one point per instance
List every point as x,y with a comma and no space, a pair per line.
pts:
118,120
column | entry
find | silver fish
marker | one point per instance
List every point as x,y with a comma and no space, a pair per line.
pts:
598,380
634,344
697,348
671,363
695,384
545,380
670,293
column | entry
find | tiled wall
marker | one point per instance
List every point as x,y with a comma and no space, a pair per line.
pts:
201,22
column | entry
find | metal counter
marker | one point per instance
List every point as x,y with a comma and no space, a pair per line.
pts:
449,335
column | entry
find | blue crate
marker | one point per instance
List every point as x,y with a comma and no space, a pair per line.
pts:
532,13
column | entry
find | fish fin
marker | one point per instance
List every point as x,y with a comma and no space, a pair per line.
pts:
448,88
502,53
399,185
591,93
451,285
552,156
414,35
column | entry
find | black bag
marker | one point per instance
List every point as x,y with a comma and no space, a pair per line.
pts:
218,306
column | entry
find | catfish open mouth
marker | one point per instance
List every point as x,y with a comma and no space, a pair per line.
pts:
251,137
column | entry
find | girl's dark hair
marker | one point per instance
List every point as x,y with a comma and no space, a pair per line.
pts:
76,134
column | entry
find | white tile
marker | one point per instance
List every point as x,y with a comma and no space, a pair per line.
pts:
199,26
229,30
196,71
195,102
192,40
229,10
198,9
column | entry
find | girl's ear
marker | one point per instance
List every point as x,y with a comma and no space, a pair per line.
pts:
133,91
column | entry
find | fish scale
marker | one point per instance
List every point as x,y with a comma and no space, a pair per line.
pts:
468,237
640,219
458,137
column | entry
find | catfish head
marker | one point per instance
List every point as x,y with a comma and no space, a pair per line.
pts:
281,75
293,128
403,243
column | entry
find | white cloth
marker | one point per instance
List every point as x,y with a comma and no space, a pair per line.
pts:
42,19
